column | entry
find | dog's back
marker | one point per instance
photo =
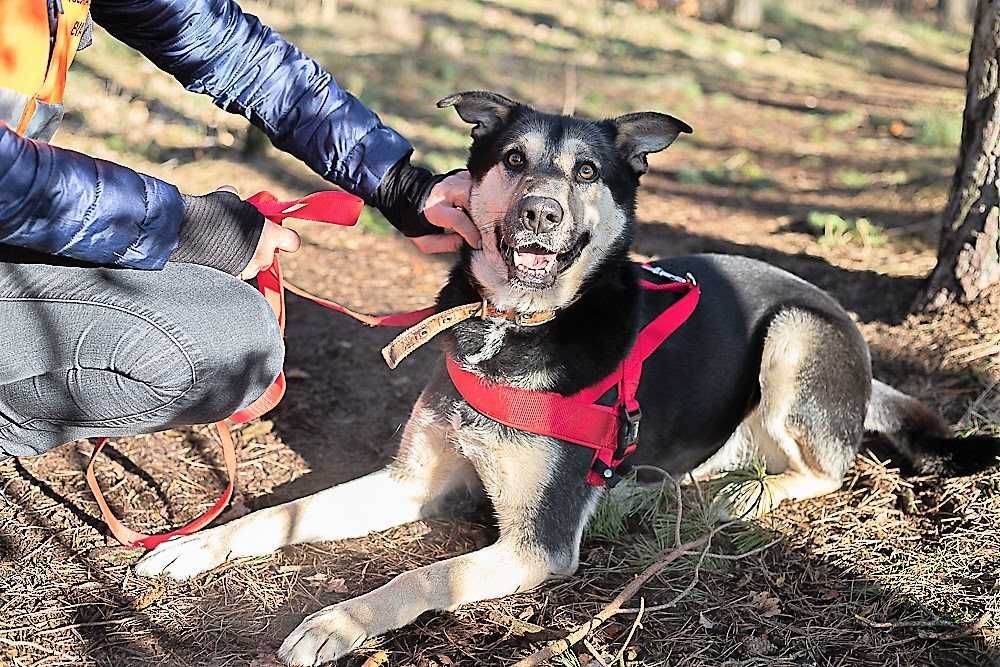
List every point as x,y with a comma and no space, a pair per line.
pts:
772,369
754,322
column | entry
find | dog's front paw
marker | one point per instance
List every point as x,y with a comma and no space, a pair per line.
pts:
184,557
323,637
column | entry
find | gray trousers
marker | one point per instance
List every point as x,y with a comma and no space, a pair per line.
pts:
87,352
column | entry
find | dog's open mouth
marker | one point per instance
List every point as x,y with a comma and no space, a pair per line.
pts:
537,267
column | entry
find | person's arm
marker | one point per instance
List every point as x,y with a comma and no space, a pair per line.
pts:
61,202
213,47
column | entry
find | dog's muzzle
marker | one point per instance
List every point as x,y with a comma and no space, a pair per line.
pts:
530,246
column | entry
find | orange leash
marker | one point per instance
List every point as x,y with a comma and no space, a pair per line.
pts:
338,208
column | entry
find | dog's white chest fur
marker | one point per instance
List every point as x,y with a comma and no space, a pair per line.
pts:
496,331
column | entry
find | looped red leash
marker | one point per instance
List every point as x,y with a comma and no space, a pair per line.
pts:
337,208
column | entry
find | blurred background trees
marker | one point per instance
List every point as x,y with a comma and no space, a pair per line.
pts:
749,14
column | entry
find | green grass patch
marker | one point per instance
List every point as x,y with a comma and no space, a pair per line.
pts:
834,230
852,178
939,129
654,516
846,121
740,170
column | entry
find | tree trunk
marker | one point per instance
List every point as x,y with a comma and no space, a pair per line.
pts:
956,14
746,14
969,250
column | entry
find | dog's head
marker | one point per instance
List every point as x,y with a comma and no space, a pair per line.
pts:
553,196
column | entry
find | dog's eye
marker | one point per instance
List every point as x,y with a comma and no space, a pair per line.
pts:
586,172
514,159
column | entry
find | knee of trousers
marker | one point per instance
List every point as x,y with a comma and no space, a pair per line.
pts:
238,353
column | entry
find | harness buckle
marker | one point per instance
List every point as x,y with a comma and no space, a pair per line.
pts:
628,431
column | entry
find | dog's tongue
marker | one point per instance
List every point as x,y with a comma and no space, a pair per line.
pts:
530,260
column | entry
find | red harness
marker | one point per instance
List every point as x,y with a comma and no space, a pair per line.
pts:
611,431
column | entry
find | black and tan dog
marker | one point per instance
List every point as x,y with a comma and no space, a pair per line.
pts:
768,368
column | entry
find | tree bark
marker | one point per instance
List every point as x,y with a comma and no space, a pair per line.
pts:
746,14
969,249
956,14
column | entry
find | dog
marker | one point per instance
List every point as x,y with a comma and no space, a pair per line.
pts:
767,368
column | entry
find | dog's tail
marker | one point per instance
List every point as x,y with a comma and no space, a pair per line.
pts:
922,436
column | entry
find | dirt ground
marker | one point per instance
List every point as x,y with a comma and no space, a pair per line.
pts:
828,111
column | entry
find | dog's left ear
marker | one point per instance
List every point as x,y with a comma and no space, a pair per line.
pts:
646,132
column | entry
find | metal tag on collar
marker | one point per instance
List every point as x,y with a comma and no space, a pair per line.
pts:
533,319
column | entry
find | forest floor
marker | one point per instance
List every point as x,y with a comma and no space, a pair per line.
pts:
825,144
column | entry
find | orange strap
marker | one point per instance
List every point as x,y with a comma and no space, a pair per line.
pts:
330,207
131,538
26,64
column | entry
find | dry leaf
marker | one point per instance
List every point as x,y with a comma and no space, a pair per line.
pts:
759,646
704,622
335,586
766,604
257,429
376,659
149,598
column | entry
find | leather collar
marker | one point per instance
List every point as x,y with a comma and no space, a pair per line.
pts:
422,332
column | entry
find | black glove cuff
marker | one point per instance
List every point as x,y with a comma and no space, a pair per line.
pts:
401,196
219,230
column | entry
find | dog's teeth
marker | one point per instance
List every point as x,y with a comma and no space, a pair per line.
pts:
533,261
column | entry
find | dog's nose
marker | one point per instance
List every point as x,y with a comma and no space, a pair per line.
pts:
540,214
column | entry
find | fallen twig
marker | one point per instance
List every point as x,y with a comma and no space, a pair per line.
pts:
631,632
595,652
680,596
616,606
562,645
955,630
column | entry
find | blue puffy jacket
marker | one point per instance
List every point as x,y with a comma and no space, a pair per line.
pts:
61,202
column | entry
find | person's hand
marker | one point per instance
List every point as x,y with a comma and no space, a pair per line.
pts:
446,208
273,238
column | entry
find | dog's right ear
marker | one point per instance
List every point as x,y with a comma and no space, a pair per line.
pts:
646,132
485,110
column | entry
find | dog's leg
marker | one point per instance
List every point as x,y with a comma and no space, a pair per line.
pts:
501,569
815,380
426,470
542,503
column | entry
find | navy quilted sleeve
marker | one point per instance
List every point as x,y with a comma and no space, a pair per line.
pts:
213,47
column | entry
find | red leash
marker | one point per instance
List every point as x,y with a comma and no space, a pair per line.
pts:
336,208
